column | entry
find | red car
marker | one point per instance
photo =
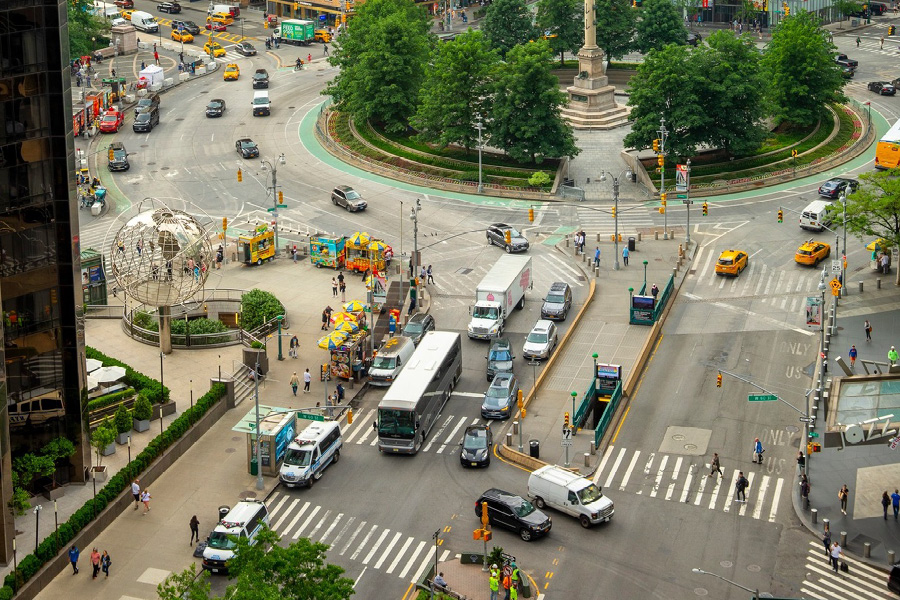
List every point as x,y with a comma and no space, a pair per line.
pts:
124,3
111,121
215,26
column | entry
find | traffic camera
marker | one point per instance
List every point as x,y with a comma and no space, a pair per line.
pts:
719,380
705,209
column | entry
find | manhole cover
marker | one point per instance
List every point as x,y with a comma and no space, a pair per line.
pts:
678,437
150,164
792,429
701,592
582,278
164,168
464,271
754,568
145,145
229,450
180,119
690,447
236,438
726,564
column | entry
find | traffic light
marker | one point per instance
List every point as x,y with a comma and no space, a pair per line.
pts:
780,216
566,420
280,197
240,176
656,146
719,380
787,10
891,29
224,224
507,237
531,215
705,209
662,198
662,210
350,417
661,160
614,212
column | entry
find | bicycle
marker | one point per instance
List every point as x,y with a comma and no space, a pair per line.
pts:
298,67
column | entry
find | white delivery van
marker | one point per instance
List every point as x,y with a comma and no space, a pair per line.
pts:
388,362
262,106
815,216
245,520
569,493
234,11
144,21
307,456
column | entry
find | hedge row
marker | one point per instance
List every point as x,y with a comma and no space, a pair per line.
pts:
102,402
118,483
140,382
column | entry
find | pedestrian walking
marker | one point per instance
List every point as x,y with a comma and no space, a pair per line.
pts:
156,57
145,498
105,561
95,563
801,460
309,59
422,275
715,466
597,257
295,382
857,41
882,42
844,495
343,287
294,347
307,379
868,327
325,48
136,492
339,393
334,287
430,276
895,502
741,485
826,540
836,554
758,451
294,254
625,255
143,65
852,356
73,558
892,356
78,79
654,291
325,320
195,529
885,502
804,488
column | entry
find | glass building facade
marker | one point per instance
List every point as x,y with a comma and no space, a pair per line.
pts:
43,328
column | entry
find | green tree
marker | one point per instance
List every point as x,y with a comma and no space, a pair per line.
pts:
381,59
801,75
873,211
258,307
847,7
564,19
615,20
187,585
508,23
689,8
83,26
527,121
667,85
660,25
457,87
103,436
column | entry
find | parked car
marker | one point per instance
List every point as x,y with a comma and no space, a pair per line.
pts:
557,302
247,148
146,103
475,449
124,3
500,358
188,26
882,87
541,340
169,7
245,48
215,108
346,196
260,79
111,121
513,512
500,397
418,326
496,235
833,188
846,61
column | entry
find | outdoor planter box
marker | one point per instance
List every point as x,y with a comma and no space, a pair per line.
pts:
166,409
99,473
111,449
53,493
122,438
140,425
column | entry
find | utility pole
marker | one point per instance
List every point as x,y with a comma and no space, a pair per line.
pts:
414,216
479,126
663,134
687,203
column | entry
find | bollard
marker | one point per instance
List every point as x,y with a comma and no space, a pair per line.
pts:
675,272
815,518
891,557
509,441
597,271
587,459
567,241
860,286
593,447
639,236
515,427
598,238
867,550
844,540
655,235
680,250
878,283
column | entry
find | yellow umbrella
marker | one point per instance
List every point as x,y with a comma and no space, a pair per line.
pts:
377,246
879,244
360,238
354,306
332,340
343,316
347,326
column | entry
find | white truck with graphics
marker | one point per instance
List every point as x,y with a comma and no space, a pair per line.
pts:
501,289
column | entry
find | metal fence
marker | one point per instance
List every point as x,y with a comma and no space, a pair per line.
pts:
643,316
608,413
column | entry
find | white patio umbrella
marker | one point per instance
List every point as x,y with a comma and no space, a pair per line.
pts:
93,364
108,374
92,383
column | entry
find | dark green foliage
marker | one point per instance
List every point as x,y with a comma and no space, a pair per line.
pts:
258,307
616,21
138,381
143,410
198,326
101,402
145,320
103,436
660,24
123,419
83,26
507,24
565,20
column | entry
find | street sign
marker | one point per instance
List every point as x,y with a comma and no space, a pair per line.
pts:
813,434
681,178
835,267
894,442
567,434
807,419
281,206
835,287
762,398
688,202
568,443
680,196
310,416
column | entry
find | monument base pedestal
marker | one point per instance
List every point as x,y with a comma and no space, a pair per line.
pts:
592,102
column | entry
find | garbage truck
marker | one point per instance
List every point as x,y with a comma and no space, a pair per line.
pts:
297,32
501,289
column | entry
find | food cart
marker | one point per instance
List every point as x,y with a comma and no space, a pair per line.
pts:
879,248
258,246
327,251
348,358
365,252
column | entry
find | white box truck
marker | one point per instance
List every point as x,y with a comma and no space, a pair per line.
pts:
501,289
144,21
570,493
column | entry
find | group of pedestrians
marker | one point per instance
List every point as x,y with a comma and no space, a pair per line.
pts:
98,561
140,496
891,500
507,580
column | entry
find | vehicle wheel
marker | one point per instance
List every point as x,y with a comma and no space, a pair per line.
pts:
521,303
816,263
337,456
539,502
525,534
490,241
508,248
333,201
585,522
317,476
258,262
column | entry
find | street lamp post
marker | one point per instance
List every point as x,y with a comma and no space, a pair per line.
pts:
37,522
479,126
162,392
574,425
663,134
687,203
615,181
414,217
755,592
275,205
259,478
645,276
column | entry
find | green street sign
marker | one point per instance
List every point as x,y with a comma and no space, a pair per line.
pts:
310,416
762,398
813,434
281,206
681,196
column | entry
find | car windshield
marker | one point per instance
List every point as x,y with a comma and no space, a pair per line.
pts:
486,312
501,355
142,117
394,423
247,46
144,102
726,261
475,440
413,328
221,541
351,194
248,145
830,185
524,509
536,338
497,392
555,299
514,233
298,457
214,104
110,118
590,494
384,362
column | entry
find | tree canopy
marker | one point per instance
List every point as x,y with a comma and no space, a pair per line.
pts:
615,20
83,26
873,211
508,23
660,24
564,19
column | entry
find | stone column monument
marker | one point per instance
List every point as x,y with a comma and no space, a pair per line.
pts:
592,104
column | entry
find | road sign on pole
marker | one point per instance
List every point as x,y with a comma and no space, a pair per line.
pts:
310,416
762,398
807,419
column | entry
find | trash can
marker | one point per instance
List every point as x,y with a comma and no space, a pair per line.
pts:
534,448
223,512
631,244
253,467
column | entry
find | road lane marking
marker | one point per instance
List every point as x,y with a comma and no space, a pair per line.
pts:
318,526
412,559
774,511
453,433
343,530
400,553
763,488
600,468
387,551
659,475
615,468
375,547
287,513
675,471
296,518
306,522
634,460
353,537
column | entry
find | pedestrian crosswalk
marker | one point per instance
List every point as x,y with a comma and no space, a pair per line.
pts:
599,219
861,582
349,536
685,479
444,438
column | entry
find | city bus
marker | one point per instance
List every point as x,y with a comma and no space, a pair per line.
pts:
412,404
887,153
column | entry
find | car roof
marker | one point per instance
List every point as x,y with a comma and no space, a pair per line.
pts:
501,225
481,430
343,188
558,286
542,325
216,100
498,494
500,343
245,141
418,316
502,380
731,253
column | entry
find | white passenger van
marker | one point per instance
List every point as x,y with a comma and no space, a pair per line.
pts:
244,521
815,216
570,493
388,362
307,456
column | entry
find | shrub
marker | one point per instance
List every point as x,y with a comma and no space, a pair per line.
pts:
138,381
102,437
142,408
122,419
539,179
198,326
101,402
145,320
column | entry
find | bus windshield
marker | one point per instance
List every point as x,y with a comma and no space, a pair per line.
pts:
486,312
384,362
298,457
396,423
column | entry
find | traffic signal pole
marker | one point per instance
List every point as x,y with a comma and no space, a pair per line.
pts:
663,133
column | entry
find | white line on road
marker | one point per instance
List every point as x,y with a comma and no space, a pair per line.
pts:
306,522
353,537
375,547
774,511
659,475
615,467
454,433
399,555
296,518
387,551
355,583
286,514
411,560
763,488
743,510
675,472
637,454
319,525
687,483
605,458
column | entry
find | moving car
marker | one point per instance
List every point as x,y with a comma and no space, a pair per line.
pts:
475,449
812,252
247,148
514,512
499,358
846,61
322,35
882,87
232,72
118,157
146,102
541,341
496,235
558,302
188,26
126,14
214,49
215,108
833,188
245,48
346,196
111,121
182,36
124,3
500,397
146,121
260,79
169,7
244,521
418,326
570,493
731,262
214,26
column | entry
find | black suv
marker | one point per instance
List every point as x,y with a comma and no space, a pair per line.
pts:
558,302
260,79
169,7
118,157
475,449
146,102
496,235
188,26
833,188
418,326
514,512
146,121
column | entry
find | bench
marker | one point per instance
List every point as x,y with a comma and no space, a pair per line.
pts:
443,590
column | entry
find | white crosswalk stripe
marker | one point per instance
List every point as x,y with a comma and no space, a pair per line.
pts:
684,479
445,435
599,219
861,582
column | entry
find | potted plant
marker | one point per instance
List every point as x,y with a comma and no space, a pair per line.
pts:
142,413
104,442
123,422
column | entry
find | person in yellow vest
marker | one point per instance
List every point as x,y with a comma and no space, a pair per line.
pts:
514,576
494,582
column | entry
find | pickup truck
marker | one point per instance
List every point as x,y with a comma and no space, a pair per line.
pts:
845,61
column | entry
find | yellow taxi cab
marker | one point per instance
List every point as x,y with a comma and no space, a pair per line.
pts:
184,37
812,252
223,18
322,35
731,262
126,14
232,72
214,49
